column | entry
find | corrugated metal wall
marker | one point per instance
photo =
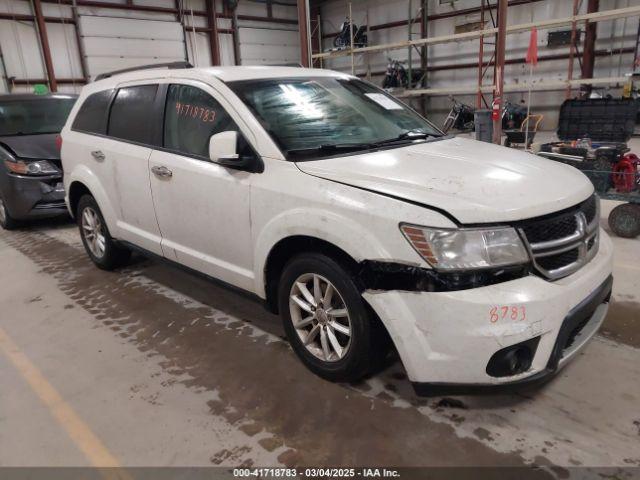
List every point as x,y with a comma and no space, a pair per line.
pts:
117,38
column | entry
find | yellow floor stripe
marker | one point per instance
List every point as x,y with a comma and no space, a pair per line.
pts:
90,445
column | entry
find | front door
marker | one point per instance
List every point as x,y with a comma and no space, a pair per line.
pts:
203,209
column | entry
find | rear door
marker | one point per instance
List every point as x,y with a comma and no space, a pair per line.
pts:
133,128
203,208
84,144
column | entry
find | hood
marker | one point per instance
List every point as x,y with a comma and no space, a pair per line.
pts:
41,147
475,182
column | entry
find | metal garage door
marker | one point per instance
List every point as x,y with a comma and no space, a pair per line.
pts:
113,43
260,46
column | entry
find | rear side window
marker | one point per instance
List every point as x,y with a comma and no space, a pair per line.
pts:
131,115
92,116
191,117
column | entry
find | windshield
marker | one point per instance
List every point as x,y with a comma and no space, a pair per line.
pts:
324,114
34,116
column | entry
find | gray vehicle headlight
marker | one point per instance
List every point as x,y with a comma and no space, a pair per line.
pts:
464,249
38,167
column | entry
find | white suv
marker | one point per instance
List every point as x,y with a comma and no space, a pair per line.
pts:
348,213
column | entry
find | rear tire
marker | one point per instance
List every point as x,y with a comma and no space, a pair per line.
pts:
348,343
98,243
6,220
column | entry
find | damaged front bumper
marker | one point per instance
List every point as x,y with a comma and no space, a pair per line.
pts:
34,197
448,338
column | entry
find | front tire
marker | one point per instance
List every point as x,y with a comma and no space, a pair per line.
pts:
6,220
327,321
98,243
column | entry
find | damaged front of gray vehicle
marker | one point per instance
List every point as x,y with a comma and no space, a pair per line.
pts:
31,172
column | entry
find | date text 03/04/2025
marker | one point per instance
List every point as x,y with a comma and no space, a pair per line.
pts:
316,473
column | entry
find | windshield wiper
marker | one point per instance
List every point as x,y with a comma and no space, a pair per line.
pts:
331,147
407,135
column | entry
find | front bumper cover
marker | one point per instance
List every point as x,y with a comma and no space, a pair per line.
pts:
449,337
578,327
33,197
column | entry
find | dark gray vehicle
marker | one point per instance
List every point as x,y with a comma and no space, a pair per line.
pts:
30,168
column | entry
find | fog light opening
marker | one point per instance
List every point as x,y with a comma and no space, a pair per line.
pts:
513,360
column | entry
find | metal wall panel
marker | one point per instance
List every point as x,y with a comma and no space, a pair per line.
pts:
113,43
112,27
21,49
260,46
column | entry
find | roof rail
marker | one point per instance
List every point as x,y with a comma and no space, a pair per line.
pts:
289,64
169,65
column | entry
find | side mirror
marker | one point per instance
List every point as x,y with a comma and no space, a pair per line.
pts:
223,148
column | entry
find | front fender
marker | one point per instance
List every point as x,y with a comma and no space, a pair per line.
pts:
331,227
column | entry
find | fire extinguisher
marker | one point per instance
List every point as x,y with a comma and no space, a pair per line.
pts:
495,109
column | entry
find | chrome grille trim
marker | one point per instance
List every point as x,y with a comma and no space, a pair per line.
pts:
578,240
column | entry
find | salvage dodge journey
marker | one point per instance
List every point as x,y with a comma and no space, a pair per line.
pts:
349,214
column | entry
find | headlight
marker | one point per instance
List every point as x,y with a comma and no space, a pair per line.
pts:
39,167
462,249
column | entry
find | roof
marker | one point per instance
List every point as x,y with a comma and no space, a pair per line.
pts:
258,72
21,97
225,74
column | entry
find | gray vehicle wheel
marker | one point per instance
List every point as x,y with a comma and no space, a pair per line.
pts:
6,220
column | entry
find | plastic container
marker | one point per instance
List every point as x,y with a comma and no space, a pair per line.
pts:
484,125
600,119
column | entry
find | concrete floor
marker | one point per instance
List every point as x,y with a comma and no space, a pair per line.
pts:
150,366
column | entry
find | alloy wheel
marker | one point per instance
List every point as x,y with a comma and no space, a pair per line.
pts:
320,317
93,232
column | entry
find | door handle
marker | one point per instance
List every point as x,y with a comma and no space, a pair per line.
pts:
98,155
161,171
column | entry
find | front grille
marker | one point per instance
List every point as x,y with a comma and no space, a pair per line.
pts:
590,208
553,262
563,242
545,230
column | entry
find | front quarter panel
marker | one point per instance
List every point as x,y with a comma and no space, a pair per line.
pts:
287,202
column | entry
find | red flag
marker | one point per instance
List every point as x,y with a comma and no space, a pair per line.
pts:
532,51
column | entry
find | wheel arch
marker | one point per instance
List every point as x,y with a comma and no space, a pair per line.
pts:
293,245
83,181
76,191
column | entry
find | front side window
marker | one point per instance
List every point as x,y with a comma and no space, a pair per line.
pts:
34,116
131,116
303,114
192,116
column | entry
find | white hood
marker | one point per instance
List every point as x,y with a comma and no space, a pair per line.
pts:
475,182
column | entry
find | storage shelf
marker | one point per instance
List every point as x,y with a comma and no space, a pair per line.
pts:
523,27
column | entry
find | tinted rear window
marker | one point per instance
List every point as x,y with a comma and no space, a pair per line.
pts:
92,116
132,113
